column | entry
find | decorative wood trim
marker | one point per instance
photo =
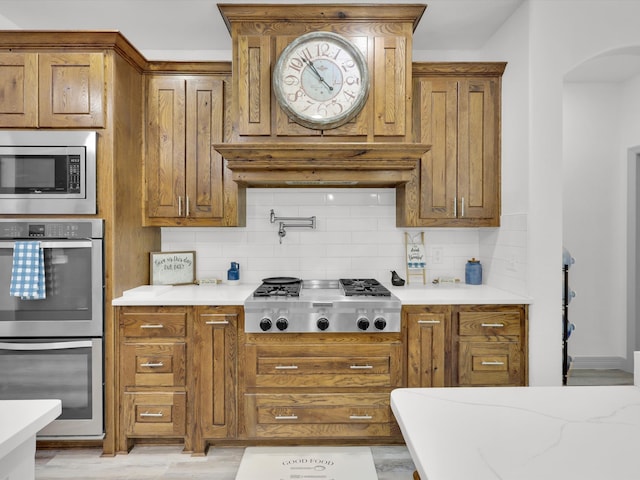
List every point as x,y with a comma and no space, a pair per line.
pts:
313,13
459,69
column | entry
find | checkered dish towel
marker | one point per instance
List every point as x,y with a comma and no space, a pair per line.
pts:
27,274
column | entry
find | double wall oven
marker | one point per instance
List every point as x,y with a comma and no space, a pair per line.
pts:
52,347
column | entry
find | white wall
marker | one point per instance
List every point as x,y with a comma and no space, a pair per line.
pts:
564,34
594,218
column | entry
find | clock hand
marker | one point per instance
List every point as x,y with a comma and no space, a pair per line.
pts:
315,70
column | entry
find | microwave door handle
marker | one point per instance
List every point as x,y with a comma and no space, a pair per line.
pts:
44,346
61,244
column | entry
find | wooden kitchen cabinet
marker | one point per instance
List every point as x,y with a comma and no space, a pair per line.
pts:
53,89
490,344
214,356
185,175
428,345
457,112
152,378
309,386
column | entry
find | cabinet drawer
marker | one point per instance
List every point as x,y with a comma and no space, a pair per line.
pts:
489,323
153,324
497,363
324,366
153,364
319,415
155,414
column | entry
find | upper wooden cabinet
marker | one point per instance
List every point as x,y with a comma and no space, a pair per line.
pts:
457,112
56,89
384,35
186,179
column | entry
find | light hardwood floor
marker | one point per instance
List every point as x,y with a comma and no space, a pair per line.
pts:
169,463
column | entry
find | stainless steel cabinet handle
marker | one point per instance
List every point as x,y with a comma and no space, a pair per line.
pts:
286,417
499,325
361,367
286,367
492,363
179,205
429,322
187,214
360,417
147,414
218,322
152,325
462,209
455,207
152,365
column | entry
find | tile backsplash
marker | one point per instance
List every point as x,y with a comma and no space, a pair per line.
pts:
355,236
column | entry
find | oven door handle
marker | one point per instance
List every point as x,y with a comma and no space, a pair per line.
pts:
59,244
45,346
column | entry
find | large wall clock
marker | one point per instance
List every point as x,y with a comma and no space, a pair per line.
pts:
321,80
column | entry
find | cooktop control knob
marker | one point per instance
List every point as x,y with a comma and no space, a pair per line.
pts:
380,323
363,323
265,324
282,323
323,323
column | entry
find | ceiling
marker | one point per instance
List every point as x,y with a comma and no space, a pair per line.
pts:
194,29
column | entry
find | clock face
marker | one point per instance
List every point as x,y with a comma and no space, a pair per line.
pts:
321,80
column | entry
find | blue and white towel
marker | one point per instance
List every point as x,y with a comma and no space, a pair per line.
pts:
27,274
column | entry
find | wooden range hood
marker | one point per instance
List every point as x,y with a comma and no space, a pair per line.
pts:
342,164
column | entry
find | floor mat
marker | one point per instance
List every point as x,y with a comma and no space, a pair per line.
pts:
307,463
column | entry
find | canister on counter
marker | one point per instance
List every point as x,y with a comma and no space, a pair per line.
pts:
473,272
233,274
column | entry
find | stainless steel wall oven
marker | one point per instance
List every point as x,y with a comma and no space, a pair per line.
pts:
52,347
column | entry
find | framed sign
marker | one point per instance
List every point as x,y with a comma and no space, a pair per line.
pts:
172,268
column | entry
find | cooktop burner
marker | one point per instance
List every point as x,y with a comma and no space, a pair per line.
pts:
363,286
278,290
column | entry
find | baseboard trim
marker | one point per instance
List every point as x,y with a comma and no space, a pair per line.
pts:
599,363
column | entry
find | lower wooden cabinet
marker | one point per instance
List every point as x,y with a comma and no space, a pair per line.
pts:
310,386
214,380
191,374
490,342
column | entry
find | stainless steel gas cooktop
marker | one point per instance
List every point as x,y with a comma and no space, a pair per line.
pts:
291,305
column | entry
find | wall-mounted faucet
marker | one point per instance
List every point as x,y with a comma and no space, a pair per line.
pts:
310,222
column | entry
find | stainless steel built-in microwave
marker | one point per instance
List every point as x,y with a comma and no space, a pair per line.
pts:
47,172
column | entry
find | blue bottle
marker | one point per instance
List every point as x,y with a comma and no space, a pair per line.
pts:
233,274
473,272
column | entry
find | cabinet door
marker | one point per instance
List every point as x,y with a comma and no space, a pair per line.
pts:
204,165
214,355
478,149
71,87
19,89
165,156
438,104
427,346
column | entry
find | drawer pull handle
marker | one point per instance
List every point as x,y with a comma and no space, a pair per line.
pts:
220,322
286,367
361,367
286,417
360,417
152,365
492,325
148,414
429,322
492,363
152,325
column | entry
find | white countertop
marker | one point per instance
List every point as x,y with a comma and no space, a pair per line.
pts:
22,419
223,294
521,433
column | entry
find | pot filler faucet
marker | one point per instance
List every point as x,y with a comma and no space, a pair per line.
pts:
310,222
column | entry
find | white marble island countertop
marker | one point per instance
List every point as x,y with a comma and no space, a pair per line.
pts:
223,294
521,433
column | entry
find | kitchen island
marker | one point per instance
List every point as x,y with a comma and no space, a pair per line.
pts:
20,421
521,433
